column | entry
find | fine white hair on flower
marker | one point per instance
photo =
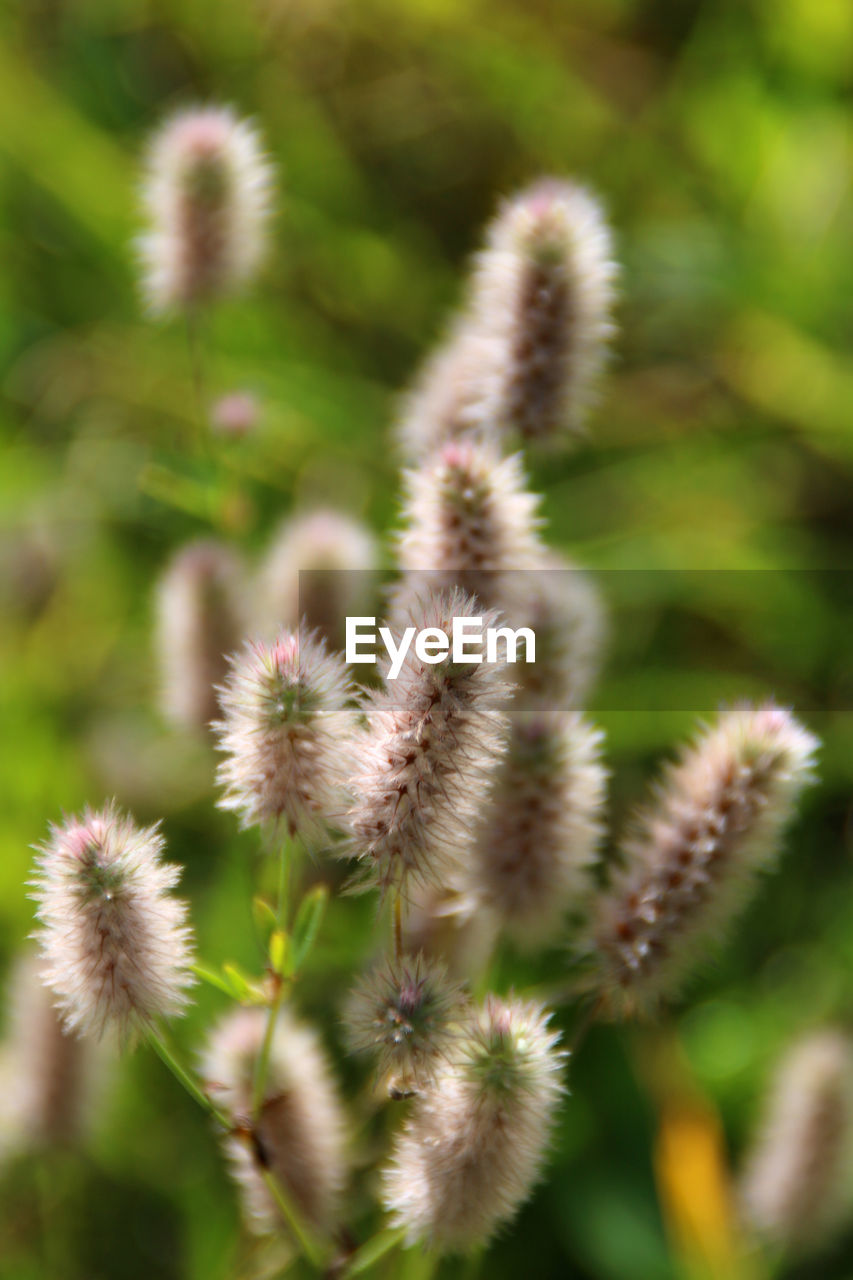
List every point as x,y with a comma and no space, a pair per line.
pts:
474,1146
693,858
300,1134
407,1014
531,860
200,616
445,402
425,761
319,566
796,1184
469,519
207,196
541,295
117,950
286,733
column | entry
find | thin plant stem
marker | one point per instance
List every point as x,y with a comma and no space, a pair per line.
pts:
398,926
584,1023
306,1237
373,1250
196,373
284,867
166,1055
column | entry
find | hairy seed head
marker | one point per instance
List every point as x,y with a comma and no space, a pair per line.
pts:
318,567
286,730
300,1133
542,294
534,849
206,196
49,1078
469,520
445,403
435,735
474,1145
407,1014
200,615
117,951
693,858
796,1186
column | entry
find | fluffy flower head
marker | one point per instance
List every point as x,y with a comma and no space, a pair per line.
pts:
285,734
117,951
694,856
531,859
318,567
300,1133
796,1188
471,1152
207,196
199,622
469,519
542,293
407,1014
435,735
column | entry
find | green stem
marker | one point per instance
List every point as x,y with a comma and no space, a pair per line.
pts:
398,926
167,1056
311,1246
373,1250
262,1065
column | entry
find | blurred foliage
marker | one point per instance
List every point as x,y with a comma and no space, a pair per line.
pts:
718,133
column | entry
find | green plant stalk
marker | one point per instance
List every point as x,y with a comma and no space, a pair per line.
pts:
316,1252
262,1066
373,1250
167,1056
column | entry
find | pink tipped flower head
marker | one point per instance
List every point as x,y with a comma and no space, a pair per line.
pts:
117,951
318,567
235,414
542,292
695,854
207,197
199,622
470,519
473,1148
407,1014
300,1133
286,733
435,735
796,1187
531,861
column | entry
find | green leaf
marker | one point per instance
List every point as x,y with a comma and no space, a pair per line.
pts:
265,920
243,988
212,978
309,917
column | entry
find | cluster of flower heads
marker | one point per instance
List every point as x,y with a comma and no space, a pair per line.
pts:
467,795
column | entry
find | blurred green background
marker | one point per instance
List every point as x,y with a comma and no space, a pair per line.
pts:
719,135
